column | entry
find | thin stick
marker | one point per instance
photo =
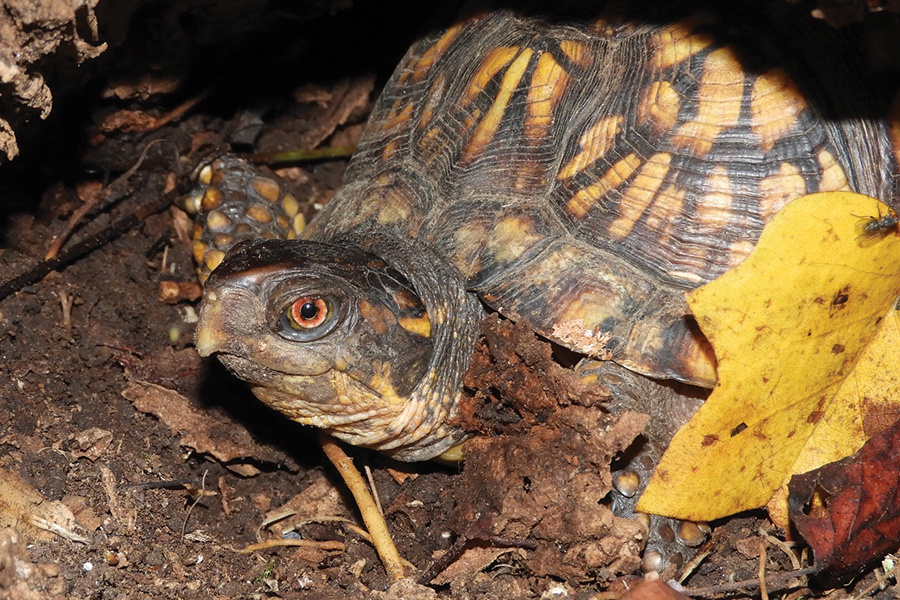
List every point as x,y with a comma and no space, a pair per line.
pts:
774,581
374,489
373,519
272,158
324,545
179,111
75,251
763,592
785,547
104,194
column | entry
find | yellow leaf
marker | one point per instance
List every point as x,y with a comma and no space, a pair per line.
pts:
790,327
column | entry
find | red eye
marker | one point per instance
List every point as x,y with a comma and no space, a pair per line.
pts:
308,312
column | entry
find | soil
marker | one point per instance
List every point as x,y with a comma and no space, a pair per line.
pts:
160,466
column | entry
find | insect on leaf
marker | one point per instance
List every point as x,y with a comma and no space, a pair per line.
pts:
791,327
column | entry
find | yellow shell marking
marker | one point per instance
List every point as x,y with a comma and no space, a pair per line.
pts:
223,239
217,221
400,113
212,198
393,206
675,43
299,224
833,178
576,52
640,194
720,99
580,204
486,129
497,59
668,203
547,86
198,249
260,213
378,318
595,143
430,56
390,149
738,251
775,105
469,238
660,103
778,190
714,210
212,258
511,238
290,205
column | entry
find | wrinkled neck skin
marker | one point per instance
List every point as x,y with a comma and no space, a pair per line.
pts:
388,377
423,428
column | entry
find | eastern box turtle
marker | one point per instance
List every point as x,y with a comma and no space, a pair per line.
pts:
577,173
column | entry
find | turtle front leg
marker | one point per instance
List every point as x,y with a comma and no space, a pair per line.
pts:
670,542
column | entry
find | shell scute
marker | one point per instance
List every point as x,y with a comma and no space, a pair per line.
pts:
583,176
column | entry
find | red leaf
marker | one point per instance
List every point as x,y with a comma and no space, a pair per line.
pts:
860,522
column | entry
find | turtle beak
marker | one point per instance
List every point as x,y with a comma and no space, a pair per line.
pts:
210,336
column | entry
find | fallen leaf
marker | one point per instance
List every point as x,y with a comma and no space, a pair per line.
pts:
22,506
789,326
201,430
321,501
474,560
860,520
872,391
91,443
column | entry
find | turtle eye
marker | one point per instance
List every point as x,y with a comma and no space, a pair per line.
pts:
308,318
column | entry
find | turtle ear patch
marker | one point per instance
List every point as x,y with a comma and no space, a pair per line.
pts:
420,325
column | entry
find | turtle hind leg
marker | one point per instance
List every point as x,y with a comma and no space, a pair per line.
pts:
671,543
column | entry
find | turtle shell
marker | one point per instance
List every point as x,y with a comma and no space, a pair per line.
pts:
583,174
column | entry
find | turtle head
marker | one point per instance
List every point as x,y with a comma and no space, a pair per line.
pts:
330,336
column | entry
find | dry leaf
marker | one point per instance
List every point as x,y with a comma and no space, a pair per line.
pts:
789,326
22,505
860,520
201,430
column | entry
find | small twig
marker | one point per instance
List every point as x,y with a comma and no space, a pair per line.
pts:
52,527
84,247
194,503
179,110
785,547
85,208
763,591
65,303
373,488
773,581
695,562
277,543
273,158
882,577
373,519
153,485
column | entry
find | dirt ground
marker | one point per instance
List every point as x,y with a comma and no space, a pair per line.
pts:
161,465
